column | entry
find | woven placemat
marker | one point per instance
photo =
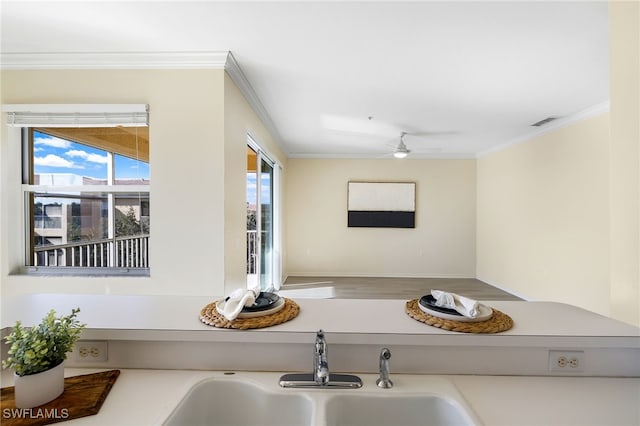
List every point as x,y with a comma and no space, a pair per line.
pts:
498,322
210,316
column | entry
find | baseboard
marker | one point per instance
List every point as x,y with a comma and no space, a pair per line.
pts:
370,275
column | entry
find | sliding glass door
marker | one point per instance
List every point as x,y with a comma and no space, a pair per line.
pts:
262,262
266,225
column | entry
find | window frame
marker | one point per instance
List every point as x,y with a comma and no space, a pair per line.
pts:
21,136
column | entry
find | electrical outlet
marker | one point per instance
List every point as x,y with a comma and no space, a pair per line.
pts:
91,351
566,361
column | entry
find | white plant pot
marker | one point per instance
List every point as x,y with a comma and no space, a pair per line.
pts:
37,389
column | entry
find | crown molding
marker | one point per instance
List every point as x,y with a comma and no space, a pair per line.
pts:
143,60
233,69
113,60
592,111
385,157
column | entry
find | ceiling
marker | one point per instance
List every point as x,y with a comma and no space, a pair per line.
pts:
344,79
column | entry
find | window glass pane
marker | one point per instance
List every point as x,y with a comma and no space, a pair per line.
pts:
127,141
60,162
59,219
131,230
266,216
131,214
252,233
62,227
129,171
73,230
252,186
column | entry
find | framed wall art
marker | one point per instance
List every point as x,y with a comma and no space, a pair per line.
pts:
381,205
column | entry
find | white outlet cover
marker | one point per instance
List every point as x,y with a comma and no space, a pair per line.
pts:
93,350
574,361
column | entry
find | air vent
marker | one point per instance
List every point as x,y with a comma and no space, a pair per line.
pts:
545,121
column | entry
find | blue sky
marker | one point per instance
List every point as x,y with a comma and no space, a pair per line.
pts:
252,187
55,155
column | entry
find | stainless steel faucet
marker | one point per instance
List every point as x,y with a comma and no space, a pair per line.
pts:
384,381
320,377
320,361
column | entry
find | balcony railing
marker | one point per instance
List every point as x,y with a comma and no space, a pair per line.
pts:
121,252
252,251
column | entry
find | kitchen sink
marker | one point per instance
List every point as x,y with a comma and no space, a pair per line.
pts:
230,402
367,410
255,398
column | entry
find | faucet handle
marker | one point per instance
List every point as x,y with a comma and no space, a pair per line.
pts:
385,353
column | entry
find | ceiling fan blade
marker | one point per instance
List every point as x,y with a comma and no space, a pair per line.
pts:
358,126
434,133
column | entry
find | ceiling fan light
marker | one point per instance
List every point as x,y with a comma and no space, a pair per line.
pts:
401,151
400,154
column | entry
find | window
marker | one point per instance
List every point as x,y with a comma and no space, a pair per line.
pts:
86,192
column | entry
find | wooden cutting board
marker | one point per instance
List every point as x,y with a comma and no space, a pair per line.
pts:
83,396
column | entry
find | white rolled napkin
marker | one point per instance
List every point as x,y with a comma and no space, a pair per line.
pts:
465,306
236,301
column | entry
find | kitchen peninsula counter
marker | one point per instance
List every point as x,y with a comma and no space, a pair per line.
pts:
162,350
356,316
355,329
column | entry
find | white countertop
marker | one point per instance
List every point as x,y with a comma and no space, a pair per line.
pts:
147,397
180,313
164,332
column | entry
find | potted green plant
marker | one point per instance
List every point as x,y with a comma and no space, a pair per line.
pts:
37,357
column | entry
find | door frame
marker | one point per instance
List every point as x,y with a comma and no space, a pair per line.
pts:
276,240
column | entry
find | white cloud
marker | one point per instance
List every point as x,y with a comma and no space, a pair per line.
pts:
52,160
52,142
93,158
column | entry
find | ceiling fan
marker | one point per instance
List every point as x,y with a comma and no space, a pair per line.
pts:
401,150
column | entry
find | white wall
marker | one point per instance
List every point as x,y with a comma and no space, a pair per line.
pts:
320,243
199,121
543,216
559,215
187,176
624,24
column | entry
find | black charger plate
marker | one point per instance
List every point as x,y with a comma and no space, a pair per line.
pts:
429,302
263,302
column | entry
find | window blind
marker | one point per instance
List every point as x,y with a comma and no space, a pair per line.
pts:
79,115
